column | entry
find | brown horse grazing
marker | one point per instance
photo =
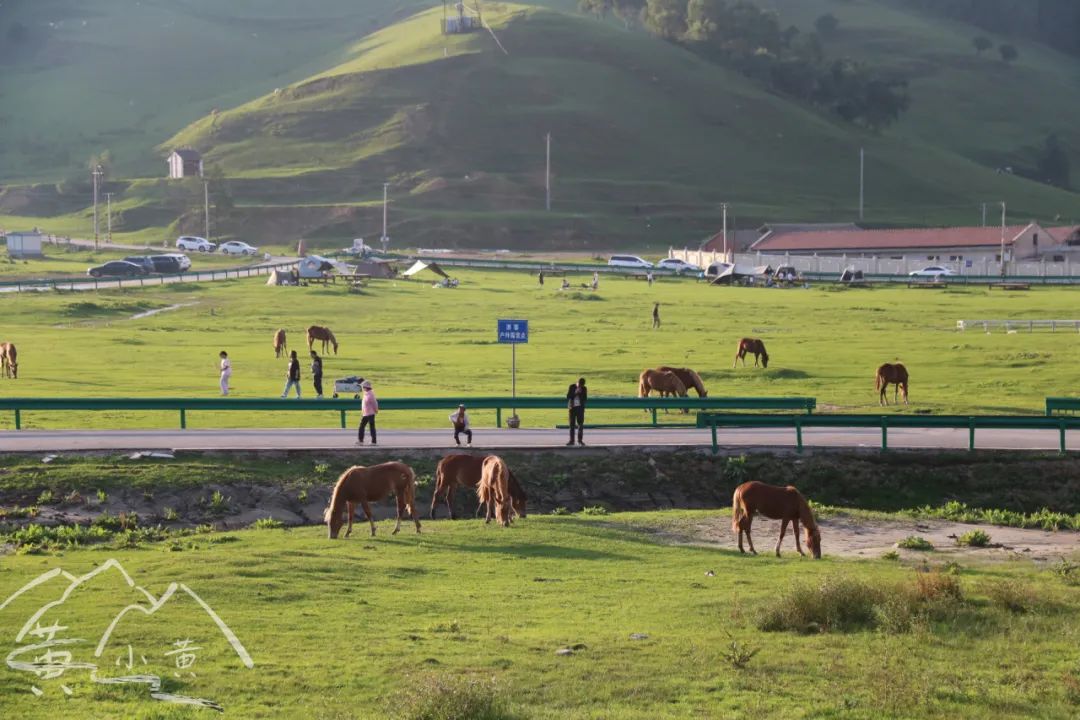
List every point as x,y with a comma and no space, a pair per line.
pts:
317,332
894,373
365,485
462,470
9,360
753,346
494,489
281,345
661,381
688,377
785,504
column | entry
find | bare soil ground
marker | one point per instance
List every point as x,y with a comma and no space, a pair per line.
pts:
853,536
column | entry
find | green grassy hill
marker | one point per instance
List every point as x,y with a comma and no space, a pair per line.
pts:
648,138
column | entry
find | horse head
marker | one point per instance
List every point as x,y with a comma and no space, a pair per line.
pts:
764,356
813,541
334,521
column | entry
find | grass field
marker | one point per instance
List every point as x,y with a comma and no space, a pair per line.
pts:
413,340
366,628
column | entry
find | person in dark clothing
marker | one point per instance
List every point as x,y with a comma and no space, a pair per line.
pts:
316,373
576,398
540,276
656,315
293,377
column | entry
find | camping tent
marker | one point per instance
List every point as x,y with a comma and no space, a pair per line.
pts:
420,266
280,277
315,266
722,273
376,268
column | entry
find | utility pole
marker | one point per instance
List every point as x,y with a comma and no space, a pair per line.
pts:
1003,240
984,214
97,173
862,177
385,239
206,208
547,175
723,209
108,201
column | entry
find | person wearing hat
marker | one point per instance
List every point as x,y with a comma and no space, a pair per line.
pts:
460,419
369,408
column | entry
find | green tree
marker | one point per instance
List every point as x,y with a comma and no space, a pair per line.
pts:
982,44
826,25
1009,53
666,18
1053,163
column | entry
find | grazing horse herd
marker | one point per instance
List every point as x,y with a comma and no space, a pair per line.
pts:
502,496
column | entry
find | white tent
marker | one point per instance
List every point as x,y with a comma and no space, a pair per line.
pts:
420,266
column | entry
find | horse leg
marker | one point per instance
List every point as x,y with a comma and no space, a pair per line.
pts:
400,502
795,529
750,540
367,513
350,508
434,500
780,540
450,502
883,398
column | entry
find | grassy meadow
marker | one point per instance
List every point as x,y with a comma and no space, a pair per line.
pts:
373,628
414,340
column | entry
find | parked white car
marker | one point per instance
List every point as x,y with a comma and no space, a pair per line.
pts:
629,261
932,271
679,266
192,242
235,247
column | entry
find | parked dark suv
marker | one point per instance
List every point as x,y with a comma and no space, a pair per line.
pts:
166,264
143,261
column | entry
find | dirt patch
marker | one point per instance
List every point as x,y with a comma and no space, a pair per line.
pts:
846,535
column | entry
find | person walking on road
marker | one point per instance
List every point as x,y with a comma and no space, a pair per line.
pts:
226,372
316,373
369,408
656,316
576,398
293,378
460,419
649,277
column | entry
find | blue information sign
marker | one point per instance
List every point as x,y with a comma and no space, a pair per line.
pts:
513,331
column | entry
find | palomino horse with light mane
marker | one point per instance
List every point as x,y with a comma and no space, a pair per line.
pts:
753,346
494,489
365,485
894,373
688,377
9,360
281,344
662,381
317,332
460,470
785,504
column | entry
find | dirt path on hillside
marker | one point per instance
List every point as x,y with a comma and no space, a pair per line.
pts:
851,536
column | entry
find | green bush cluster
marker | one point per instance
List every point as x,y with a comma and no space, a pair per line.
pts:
1044,519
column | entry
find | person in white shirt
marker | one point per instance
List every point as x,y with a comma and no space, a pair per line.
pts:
226,372
460,420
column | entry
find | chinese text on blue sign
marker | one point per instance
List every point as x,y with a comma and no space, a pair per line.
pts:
513,331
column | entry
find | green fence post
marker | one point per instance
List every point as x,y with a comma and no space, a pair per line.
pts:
18,420
498,417
715,445
654,417
798,434
884,433
971,434
183,419
1062,436
343,425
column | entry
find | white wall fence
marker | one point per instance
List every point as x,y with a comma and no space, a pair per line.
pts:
835,264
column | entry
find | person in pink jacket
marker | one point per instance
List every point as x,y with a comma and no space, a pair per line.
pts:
369,408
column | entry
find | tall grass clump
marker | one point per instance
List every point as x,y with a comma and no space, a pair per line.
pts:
439,697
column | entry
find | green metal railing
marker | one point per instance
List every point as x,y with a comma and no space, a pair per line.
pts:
1058,405
885,422
343,406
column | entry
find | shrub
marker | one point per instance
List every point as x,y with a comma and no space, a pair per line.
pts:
219,504
1012,596
914,542
268,523
560,511
46,497
890,555
735,470
594,510
739,656
974,538
302,496
170,515
447,697
1068,571
102,496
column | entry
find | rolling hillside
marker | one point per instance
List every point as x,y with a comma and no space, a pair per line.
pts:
648,138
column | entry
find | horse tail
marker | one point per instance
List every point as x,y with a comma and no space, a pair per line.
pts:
738,510
409,491
878,379
643,384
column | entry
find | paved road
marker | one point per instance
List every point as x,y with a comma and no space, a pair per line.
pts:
280,439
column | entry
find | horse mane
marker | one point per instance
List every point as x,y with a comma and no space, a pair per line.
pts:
335,508
806,515
698,384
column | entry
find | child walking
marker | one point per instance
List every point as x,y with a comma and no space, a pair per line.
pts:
369,408
226,372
